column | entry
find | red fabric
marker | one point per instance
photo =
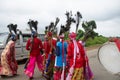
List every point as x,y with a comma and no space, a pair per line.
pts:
49,34
57,75
47,48
36,46
11,59
54,42
72,35
79,62
117,41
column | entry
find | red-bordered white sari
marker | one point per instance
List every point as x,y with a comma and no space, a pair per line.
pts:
8,62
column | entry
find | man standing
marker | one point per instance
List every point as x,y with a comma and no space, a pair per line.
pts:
34,44
49,48
60,59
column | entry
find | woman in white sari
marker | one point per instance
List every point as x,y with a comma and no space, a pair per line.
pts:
8,62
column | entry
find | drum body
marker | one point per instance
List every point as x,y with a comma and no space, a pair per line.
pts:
109,57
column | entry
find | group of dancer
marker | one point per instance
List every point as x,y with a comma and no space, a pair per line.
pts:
56,58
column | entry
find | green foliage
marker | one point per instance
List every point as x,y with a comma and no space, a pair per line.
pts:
96,40
66,35
89,29
79,34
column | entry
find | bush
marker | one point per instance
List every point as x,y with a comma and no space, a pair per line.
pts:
96,40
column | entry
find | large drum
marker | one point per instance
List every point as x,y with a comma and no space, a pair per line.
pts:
109,57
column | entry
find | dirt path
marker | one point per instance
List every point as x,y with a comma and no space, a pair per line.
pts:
93,47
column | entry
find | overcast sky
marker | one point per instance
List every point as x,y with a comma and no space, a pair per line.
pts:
106,13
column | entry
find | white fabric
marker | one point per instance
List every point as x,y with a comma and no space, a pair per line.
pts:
109,56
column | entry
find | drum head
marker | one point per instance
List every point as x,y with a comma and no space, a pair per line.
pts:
109,57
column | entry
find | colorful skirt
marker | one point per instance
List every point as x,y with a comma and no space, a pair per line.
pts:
78,74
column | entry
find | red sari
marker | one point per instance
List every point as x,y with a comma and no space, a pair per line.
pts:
77,65
8,62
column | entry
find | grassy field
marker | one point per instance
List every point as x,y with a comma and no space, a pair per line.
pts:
96,41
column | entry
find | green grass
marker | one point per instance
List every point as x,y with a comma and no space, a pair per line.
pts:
96,40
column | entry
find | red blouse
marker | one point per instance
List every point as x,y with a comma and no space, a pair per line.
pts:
47,48
80,61
36,46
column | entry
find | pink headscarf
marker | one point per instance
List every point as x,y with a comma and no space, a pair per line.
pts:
72,36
